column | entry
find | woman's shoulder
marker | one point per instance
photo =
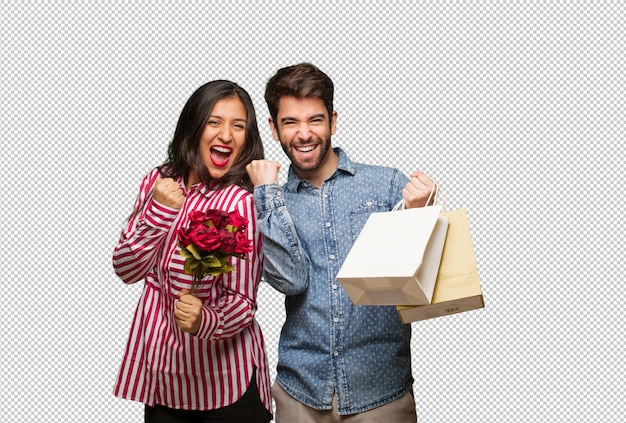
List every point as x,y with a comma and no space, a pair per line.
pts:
148,179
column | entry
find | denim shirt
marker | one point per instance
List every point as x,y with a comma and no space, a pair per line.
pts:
327,344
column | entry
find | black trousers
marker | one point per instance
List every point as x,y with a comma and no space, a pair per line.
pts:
247,409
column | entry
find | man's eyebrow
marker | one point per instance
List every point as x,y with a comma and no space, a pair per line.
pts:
313,117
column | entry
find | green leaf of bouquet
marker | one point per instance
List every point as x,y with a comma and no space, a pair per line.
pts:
190,267
193,250
211,262
185,253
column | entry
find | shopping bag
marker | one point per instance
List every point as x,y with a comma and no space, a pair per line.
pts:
457,288
395,258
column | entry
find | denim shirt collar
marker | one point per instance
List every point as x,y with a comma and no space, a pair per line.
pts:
344,165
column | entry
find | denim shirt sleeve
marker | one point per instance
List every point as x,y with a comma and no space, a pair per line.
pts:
398,182
286,264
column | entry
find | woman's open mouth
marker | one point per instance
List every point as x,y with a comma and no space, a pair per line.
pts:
220,155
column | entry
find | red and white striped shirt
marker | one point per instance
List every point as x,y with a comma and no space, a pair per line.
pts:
162,364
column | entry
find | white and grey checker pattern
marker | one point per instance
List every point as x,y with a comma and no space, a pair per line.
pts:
517,110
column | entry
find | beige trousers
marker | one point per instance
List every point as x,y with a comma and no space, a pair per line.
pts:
290,410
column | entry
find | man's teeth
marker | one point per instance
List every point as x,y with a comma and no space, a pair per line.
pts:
305,149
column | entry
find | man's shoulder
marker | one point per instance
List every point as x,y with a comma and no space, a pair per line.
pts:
362,166
367,170
375,167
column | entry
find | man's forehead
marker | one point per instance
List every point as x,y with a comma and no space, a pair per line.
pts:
301,107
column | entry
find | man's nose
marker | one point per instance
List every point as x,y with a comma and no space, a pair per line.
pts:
303,131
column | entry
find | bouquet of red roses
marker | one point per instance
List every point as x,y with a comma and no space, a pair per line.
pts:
211,239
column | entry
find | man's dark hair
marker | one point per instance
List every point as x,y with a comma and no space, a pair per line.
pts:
301,80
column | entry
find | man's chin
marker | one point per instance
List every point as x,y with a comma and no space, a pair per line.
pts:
306,165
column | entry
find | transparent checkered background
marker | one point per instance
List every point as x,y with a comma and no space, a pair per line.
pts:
517,110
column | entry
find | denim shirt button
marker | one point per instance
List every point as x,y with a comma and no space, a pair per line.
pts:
328,224
336,320
334,286
331,256
336,353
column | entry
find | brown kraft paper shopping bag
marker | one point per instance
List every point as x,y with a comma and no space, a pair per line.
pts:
457,288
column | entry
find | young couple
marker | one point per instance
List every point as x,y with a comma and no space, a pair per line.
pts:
199,355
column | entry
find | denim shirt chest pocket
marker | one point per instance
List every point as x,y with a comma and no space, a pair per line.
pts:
360,214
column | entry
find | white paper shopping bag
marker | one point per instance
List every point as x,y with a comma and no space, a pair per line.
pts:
395,259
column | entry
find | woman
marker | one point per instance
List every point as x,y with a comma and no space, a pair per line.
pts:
195,351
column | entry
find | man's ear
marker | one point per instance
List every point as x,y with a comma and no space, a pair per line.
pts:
333,122
273,129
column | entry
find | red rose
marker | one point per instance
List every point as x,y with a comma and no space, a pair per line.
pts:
205,238
196,216
243,244
237,221
217,218
236,243
183,236
228,242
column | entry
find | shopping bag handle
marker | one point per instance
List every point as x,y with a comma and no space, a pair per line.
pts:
438,194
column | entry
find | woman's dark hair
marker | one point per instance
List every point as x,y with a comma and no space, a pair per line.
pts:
301,80
183,152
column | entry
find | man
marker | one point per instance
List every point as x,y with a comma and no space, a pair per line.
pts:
337,362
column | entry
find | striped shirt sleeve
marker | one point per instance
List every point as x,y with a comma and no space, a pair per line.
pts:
145,231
